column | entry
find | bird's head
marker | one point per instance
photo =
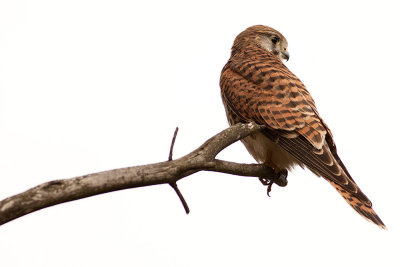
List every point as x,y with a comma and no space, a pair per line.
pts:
264,37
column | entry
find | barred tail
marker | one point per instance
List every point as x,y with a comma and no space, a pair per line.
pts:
362,207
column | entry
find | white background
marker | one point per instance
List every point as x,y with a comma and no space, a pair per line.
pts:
87,86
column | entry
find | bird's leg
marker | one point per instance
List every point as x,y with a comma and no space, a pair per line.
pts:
268,162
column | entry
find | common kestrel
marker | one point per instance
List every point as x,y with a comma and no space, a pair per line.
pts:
257,87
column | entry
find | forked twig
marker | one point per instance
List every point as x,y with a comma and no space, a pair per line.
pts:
173,184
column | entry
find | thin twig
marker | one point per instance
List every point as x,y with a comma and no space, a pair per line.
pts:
178,192
172,144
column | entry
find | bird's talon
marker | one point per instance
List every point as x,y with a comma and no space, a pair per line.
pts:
268,183
281,180
269,188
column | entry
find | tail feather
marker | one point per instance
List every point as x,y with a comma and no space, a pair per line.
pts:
363,208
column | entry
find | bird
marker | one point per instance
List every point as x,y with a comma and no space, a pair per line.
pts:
256,86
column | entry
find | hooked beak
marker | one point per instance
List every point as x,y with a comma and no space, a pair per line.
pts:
285,55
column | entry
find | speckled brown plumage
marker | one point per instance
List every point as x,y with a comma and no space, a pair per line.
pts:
257,86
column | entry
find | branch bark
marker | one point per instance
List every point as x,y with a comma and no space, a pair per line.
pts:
202,159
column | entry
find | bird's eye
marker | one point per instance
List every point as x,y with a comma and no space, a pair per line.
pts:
274,39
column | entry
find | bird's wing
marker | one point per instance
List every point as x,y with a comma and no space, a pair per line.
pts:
263,86
258,87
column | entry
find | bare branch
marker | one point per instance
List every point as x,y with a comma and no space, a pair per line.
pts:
203,158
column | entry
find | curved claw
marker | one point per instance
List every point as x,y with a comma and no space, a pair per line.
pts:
269,188
268,183
282,175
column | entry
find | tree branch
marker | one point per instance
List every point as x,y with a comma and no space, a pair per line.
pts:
168,172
